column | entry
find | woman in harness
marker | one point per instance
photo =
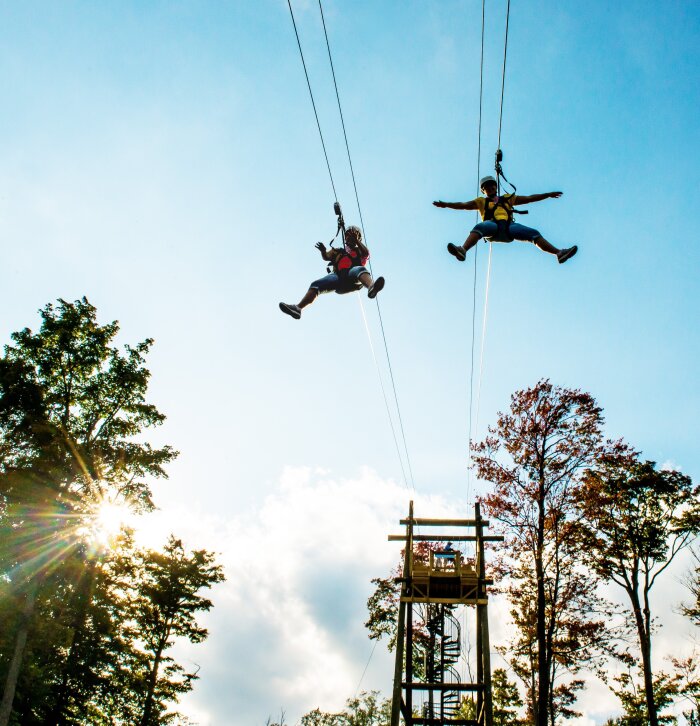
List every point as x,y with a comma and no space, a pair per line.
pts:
498,226
349,273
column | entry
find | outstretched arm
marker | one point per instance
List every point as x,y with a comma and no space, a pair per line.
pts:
324,252
536,197
456,205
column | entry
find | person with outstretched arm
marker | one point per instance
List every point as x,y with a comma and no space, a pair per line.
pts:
497,221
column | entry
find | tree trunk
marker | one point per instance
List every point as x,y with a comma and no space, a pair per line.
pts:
8,696
645,646
541,716
152,680
83,593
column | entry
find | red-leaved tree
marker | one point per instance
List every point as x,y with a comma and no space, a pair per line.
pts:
534,458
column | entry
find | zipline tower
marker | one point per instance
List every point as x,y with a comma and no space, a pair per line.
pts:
442,581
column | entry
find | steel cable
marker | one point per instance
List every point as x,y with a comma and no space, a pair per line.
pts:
362,225
313,103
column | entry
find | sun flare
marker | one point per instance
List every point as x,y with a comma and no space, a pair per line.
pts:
109,519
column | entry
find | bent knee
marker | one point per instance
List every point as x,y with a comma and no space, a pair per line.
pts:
485,229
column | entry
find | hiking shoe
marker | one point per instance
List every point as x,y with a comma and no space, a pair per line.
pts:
378,285
568,253
293,310
457,252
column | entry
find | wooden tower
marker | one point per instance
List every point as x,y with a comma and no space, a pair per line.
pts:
442,581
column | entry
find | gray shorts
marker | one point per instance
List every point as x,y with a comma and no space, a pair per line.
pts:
341,284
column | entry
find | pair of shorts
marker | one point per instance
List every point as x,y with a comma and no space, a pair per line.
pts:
517,231
340,284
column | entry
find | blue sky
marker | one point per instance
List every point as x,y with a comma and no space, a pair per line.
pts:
162,159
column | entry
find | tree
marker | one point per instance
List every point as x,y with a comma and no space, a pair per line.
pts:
534,457
692,609
383,608
634,701
506,702
72,417
167,600
636,520
364,710
29,457
687,682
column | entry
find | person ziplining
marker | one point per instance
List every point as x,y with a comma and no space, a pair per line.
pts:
497,223
348,274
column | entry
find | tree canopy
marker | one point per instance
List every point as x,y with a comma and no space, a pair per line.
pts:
87,614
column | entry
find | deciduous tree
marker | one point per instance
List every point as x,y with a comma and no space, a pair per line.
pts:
533,459
73,411
687,681
692,608
167,601
634,700
636,520
365,710
382,608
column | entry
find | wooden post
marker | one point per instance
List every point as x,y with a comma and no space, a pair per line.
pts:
408,718
431,662
441,610
398,668
479,667
486,646
483,623
397,695
479,630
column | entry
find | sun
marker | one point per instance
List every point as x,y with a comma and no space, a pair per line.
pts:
109,519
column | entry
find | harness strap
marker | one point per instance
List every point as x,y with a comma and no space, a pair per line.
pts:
341,222
490,211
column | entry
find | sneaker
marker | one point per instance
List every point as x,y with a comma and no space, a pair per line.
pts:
567,254
378,285
293,310
457,252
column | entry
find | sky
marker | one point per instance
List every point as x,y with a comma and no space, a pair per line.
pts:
162,159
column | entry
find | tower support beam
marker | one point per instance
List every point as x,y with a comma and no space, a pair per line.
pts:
436,581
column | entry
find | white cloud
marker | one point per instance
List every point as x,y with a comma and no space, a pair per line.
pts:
287,628
670,465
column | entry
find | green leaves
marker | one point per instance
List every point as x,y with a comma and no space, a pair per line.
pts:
96,617
636,518
364,710
92,397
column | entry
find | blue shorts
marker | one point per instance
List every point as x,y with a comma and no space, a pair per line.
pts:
341,284
517,231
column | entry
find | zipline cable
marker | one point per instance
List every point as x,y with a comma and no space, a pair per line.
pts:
362,225
467,630
476,249
393,385
313,103
330,174
386,400
483,339
342,120
359,683
503,76
488,272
